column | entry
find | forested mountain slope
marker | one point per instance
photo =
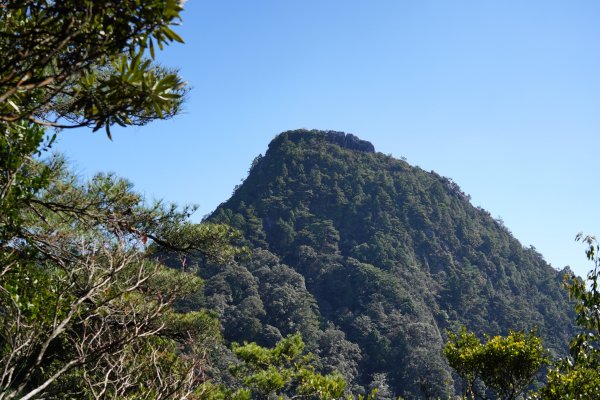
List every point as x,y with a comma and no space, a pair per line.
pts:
372,259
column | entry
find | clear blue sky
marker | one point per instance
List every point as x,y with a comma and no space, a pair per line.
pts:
501,96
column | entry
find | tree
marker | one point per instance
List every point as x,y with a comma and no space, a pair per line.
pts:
77,63
505,365
284,369
578,376
85,311
574,377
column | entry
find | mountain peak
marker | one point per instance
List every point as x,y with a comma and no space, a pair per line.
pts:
342,139
372,260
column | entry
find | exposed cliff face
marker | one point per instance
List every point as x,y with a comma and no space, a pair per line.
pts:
384,256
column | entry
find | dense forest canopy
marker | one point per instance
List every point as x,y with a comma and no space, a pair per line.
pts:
385,254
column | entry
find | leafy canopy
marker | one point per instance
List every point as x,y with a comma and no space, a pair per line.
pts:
76,63
578,376
506,365
285,370
84,311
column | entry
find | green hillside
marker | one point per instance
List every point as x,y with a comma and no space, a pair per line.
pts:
372,260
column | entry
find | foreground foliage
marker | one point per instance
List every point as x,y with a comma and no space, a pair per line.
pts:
504,365
268,372
507,365
76,63
578,376
83,310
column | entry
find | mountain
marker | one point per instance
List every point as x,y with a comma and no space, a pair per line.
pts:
373,260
